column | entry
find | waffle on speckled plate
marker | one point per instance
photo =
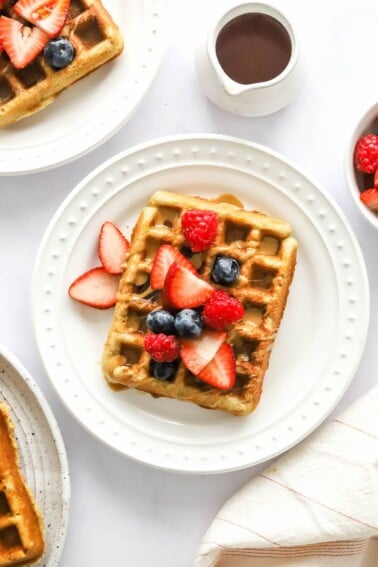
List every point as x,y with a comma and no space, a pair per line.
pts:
95,39
266,252
21,537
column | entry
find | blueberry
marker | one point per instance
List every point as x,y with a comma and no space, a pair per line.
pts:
188,323
225,270
164,370
161,322
59,52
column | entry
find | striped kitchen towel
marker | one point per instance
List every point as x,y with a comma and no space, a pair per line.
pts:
317,506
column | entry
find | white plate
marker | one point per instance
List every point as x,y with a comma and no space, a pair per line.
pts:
42,453
88,113
320,340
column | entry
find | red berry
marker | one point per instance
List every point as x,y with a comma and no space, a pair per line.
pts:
366,153
369,197
221,371
221,309
199,229
164,258
185,290
162,348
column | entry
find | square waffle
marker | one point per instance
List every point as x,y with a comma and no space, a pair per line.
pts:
266,252
96,40
21,539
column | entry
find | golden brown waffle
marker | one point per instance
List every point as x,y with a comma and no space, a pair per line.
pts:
267,254
21,538
96,40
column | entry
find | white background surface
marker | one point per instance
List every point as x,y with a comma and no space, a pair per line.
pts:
124,513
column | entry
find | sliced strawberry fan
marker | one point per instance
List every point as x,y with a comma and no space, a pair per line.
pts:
48,15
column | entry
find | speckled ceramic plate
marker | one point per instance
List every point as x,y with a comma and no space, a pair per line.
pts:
320,340
42,453
91,111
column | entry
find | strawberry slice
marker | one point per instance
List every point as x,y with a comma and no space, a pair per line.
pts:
197,353
112,248
185,289
49,15
21,43
369,197
221,371
96,288
164,258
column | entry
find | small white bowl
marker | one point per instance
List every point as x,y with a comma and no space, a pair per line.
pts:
355,178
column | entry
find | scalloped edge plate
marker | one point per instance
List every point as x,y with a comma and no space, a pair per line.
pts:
321,337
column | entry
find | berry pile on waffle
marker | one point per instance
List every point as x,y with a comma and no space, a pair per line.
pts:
21,537
199,302
47,45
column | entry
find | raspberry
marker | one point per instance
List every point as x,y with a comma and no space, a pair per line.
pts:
162,348
221,309
199,229
366,153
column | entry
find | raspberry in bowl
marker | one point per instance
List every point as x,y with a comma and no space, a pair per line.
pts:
362,165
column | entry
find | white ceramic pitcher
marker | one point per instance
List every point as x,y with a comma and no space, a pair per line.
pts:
256,99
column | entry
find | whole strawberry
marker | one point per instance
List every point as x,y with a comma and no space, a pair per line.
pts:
366,154
221,309
199,229
162,348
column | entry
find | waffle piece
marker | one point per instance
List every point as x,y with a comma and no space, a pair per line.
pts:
21,538
267,255
96,39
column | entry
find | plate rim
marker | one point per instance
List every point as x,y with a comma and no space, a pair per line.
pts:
365,316
56,434
54,161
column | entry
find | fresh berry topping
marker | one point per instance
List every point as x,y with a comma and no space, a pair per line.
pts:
164,370
49,15
221,371
59,53
164,258
221,309
199,229
112,247
96,288
369,197
225,270
21,43
161,322
197,353
188,323
184,289
366,153
162,348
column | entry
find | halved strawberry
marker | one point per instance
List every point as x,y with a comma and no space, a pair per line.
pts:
112,248
221,371
164,258
197,353
21,43
49,15
96,288
369,197
185,289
